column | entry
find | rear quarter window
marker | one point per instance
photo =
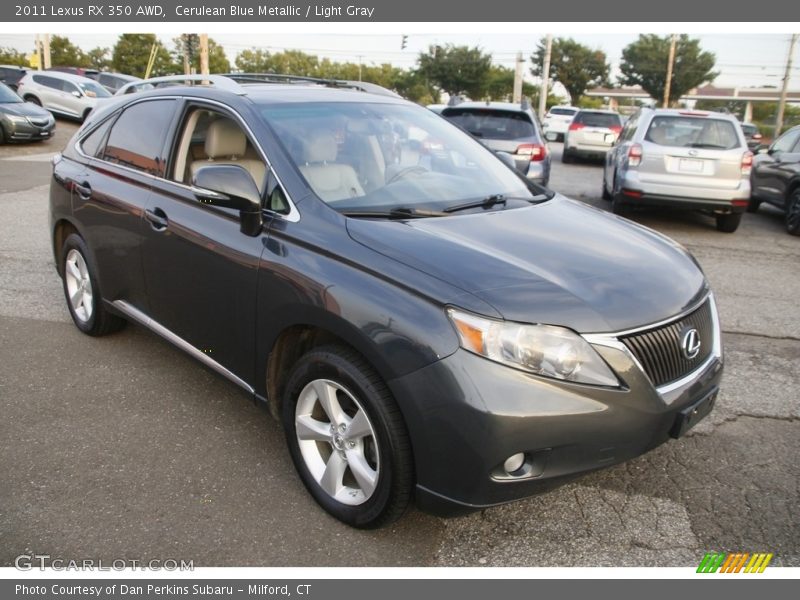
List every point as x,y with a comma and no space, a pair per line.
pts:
137,137
492,124
692,132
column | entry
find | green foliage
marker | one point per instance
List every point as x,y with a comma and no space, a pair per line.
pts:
573,65
98,58
132,52
590,102
64,53
457,70
644,63
9,56
189,44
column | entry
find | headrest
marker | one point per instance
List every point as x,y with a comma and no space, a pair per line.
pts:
320,147
225,138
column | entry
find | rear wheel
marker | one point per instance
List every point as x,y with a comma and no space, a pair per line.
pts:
82,291
793,213
566,156
753,204
729,223
347,438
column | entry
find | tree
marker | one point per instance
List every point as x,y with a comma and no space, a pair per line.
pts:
132,53
456,69
9,56
97,58
289,62
575,66
64,53
644,63
189,43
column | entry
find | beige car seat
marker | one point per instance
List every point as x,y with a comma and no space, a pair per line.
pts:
330,180
226,144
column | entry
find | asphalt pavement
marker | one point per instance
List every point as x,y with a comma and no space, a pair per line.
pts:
124,447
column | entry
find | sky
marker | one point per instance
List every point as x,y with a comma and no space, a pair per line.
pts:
744,59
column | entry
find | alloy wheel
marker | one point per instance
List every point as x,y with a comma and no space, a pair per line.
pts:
79,286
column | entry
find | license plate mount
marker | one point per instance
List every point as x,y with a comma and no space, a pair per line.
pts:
690,165
694,413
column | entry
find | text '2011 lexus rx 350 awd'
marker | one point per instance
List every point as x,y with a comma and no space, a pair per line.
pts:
427,323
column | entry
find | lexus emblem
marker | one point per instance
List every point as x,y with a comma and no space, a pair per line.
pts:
690,343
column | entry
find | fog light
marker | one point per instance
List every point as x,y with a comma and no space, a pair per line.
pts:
514,462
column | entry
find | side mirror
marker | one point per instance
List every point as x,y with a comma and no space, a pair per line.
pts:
77,94
762,149
507,159
230,186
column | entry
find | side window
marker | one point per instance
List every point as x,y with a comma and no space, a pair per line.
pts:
93,143
209,137
137,137
50,82
276,197
630,127
69,87
786,142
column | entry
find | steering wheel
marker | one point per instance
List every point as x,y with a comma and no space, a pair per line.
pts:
407,171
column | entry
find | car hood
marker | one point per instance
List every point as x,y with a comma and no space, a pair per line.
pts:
560,262
23,109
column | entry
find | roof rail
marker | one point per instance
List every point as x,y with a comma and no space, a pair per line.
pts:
222,82
364,86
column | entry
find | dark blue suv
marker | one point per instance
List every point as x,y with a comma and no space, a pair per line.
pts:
426,321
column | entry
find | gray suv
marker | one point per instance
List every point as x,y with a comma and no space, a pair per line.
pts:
681,159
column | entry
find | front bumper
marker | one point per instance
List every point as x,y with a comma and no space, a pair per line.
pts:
467,415
21,132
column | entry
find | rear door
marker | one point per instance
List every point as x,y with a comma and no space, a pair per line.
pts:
48,89
692,150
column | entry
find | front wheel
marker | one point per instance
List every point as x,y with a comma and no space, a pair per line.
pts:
82,291
793,213
729,223
347,438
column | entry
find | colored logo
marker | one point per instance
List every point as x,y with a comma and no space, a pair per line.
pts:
734,562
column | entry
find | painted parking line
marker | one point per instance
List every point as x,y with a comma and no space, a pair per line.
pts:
46,157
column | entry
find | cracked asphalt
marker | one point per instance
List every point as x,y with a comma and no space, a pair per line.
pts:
125,447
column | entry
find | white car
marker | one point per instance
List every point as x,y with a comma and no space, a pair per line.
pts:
556,122
62,93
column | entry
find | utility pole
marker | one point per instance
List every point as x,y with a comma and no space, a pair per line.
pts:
38,53
785,88
517,94
204,54
548,49
670,62
186,43
46,50
359,67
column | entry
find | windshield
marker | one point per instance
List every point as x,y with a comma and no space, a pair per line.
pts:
93,89
692,132
7,95
492,124
376,157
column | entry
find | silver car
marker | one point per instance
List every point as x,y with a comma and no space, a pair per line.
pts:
556,122
591,134
62,93
681,159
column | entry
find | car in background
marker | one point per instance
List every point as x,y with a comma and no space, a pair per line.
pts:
81,71
62,93
681,159
590,134
752,135
22,121
506,127
11,74
556,122
775,178
113,81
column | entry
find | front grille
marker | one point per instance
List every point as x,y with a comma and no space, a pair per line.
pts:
39,122
659,350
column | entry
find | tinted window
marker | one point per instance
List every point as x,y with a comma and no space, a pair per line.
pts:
7,95
595,119
492,124
93,142
786,142
93,89
137,137
567,112
749,129
692,132
50,82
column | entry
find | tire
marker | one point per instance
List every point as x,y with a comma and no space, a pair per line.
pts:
33,100
753,205
793,213
2,135
729,223
566,157
335,380
79,278
617,207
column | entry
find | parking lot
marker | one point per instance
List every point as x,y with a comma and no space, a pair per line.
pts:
124,447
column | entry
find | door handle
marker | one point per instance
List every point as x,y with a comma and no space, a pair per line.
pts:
158,218
84,189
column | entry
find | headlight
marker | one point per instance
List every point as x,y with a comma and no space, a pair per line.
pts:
17,119
541,349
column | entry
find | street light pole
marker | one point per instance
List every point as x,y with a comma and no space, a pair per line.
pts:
670,62
785,88
548,49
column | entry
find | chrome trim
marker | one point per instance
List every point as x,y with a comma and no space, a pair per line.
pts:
294,214
673,390
156,327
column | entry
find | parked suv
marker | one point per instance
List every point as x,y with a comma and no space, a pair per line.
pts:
590,134
557,120
775,178
422,319
62,93
752,135
506,127
114,81
681,159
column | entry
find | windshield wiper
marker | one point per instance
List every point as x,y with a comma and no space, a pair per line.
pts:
401,212
486,202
